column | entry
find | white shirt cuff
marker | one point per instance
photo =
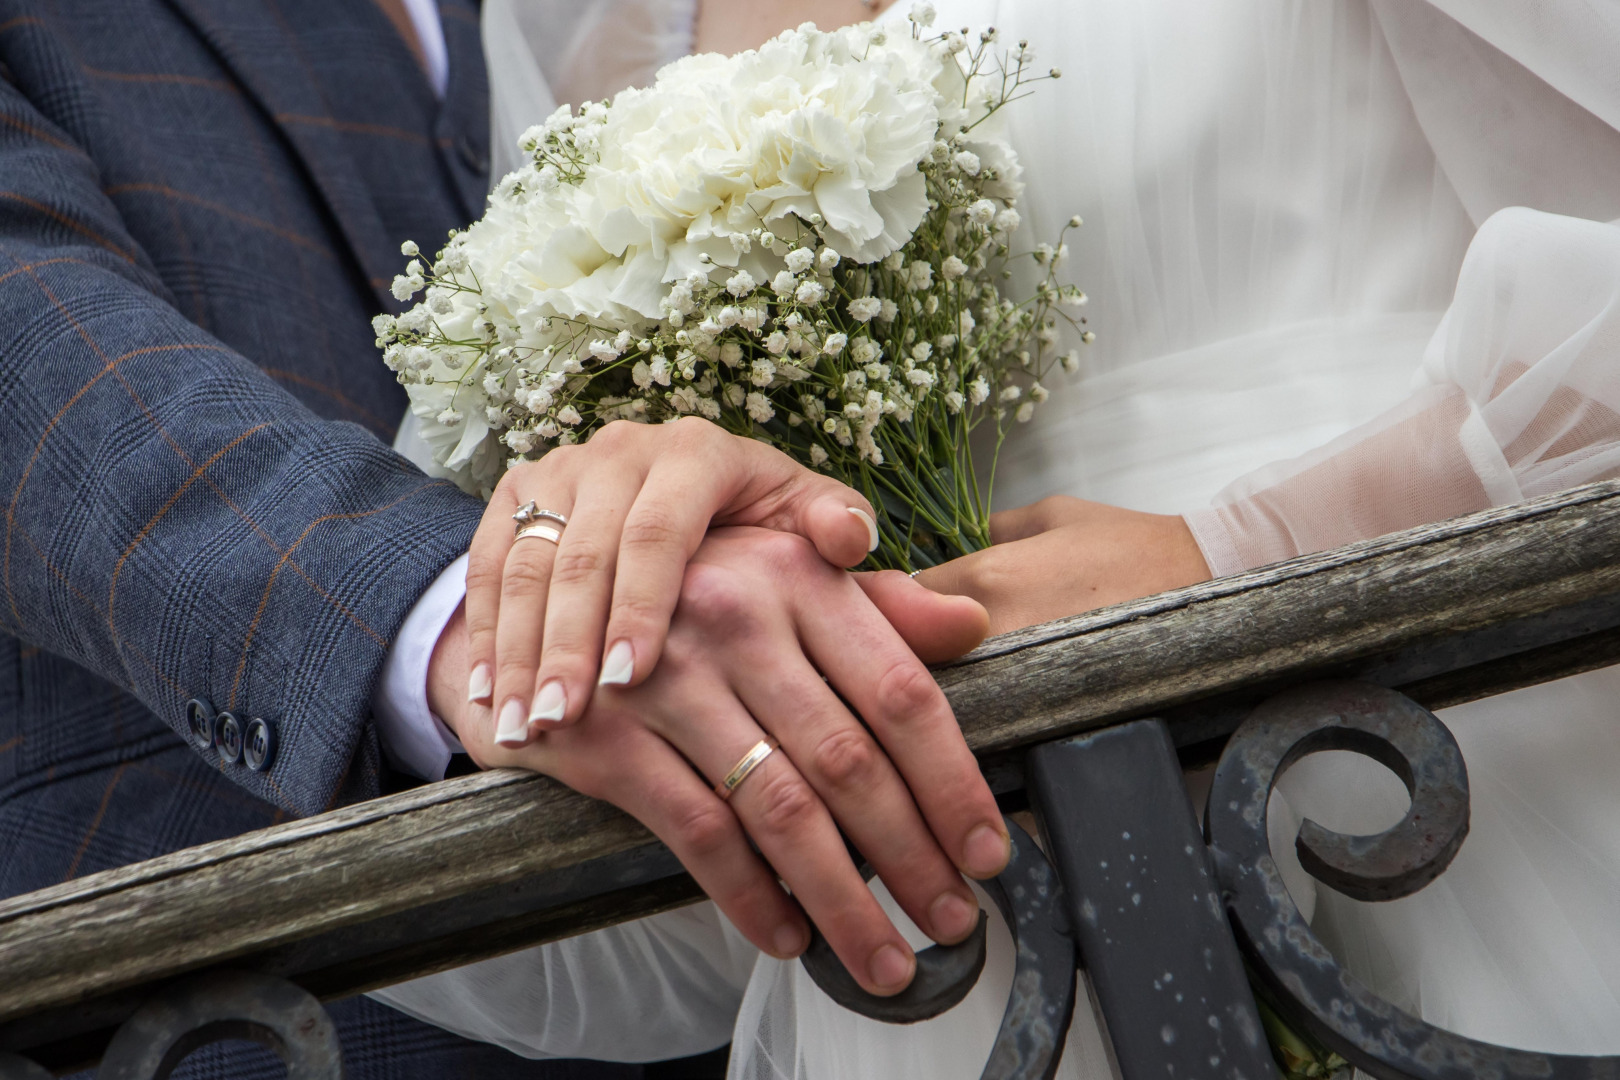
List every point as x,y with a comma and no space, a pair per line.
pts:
413,739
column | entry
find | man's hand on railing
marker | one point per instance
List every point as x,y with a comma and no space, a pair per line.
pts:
761,619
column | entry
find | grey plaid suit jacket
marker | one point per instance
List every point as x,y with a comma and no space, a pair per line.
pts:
201,203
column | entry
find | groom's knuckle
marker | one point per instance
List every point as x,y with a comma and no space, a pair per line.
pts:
905,692
846,760
705,829
715,598
783,803
786,553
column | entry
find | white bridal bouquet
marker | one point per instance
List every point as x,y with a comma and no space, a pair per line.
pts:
805,244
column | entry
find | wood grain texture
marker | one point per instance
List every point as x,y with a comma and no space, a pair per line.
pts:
483,864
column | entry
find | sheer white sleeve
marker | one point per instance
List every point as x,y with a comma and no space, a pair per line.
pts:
1518,395
662,987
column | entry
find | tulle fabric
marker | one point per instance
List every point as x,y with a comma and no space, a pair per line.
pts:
1279,195
545,53
662,987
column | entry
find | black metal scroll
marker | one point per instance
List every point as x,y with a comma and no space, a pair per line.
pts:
1309,986
1041,1002
225,1005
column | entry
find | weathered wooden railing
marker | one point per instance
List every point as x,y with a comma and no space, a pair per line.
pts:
470,868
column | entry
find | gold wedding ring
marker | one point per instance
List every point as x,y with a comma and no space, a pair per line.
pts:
539,532
751,761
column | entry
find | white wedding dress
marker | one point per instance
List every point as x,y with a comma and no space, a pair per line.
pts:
1317,322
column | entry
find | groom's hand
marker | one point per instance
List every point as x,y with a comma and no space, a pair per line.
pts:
548,619
761,618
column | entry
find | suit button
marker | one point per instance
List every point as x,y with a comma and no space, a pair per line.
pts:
200,721
259,746
228,738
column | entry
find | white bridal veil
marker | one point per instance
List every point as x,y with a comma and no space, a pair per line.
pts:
1350,271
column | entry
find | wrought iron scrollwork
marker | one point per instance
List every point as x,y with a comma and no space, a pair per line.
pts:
1041,1002
1312,990
225,1005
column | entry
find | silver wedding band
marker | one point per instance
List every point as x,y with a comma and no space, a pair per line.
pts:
539,532
751,761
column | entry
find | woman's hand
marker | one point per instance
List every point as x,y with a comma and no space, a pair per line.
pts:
1062,556
762,618
546,620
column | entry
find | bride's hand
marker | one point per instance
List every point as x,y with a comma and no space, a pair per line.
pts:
762,617
1062,556
638,499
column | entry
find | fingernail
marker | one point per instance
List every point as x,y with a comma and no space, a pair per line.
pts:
789,941
480,686
986,852
952,917
891,968
871,527
511,729
550,703
620,666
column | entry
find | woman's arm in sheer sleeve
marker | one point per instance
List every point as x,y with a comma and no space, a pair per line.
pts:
1518,396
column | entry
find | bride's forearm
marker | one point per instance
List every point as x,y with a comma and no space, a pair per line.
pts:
729,26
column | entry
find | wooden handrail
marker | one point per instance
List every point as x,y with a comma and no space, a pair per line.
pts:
418,882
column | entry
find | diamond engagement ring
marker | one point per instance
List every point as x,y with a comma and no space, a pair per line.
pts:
528,514
751,761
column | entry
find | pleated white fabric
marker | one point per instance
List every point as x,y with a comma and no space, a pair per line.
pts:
1279,197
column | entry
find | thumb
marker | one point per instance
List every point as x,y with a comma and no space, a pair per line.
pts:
937,627
779,493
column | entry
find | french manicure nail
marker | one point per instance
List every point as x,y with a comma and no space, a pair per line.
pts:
986,852
550,703
480,686
890,967
789,941
871,527
620,665
952,917
510,727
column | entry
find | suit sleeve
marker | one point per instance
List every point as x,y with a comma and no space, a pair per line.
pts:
175,522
